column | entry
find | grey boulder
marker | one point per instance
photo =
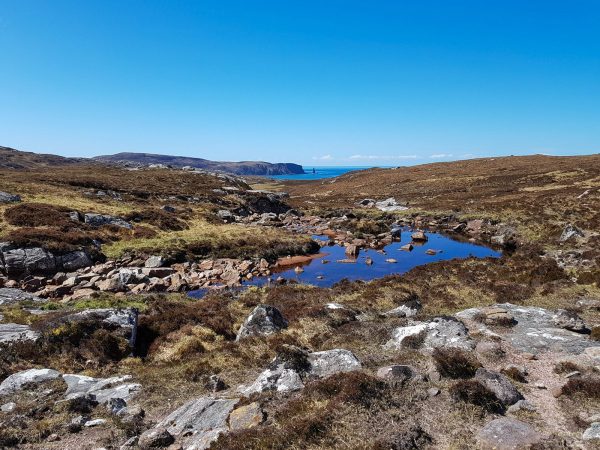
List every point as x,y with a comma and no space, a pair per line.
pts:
264,320
279,379
97,220
500,385
329,362
155,438
440,332
10,296
199,422
12,332
101,389
5,197
16,381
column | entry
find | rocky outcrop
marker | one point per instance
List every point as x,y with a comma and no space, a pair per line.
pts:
12,332
17,381
536,330
5,197
284,376
102,390
264,320
198,422
98,220
329,362
9,296
441,332
36,260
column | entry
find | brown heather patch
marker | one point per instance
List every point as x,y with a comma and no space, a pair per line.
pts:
454,363
38,215
161,219
472,391
587,386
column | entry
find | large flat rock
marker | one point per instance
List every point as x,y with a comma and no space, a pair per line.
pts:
199,422
535,330
12,332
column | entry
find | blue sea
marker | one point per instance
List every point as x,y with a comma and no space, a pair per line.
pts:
320,172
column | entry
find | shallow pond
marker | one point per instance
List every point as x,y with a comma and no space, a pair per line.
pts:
325,270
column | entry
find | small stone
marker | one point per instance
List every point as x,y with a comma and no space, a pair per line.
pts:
521,405
396,373
154,262
540,385
575,373
391,261
94,423
114,405
53,438
76,424
556,392
215,384
419,236
432,392
407,248
8,407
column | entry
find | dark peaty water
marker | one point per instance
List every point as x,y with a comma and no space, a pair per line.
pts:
325,275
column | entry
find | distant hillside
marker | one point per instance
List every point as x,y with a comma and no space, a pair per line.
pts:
16,159
238,168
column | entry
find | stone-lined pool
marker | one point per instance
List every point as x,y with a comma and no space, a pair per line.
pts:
325,269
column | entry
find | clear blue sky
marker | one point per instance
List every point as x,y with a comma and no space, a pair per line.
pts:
326,82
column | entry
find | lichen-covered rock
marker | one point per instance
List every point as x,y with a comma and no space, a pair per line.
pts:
16,381
102,389
329,362
278,379
569,320
507,434
154,262
10,296
199,422
570,232
592,433
535,330
97,220
264,320
12,332
500,385
5,197
16,261
440,332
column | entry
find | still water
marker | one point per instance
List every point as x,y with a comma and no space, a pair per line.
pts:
325,270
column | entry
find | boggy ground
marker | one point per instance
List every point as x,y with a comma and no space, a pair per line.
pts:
181,343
